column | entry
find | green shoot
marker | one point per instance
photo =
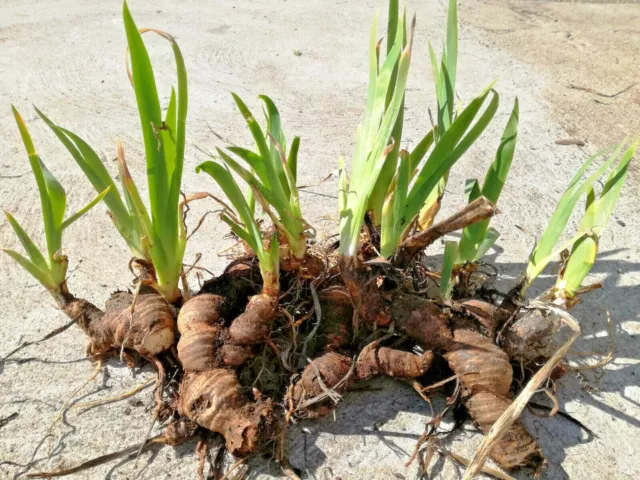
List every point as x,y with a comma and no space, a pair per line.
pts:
272,175
546,249
381,188
160,236
372,137
420,150
446,280
164,143
243,224
487,242
444,76
597,214
462,133
49,270
450,148
394,204
124,219
476,236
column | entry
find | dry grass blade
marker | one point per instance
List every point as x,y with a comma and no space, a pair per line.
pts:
512,413
478,210
608,356
492,472
233,467
117,398
439,384
600,94
554,400
152,442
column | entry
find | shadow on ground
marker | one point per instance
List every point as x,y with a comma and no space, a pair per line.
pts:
363,414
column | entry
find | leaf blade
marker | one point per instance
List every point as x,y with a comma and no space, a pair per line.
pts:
29,245
84,209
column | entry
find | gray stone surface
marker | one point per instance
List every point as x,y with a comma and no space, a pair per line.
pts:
68,59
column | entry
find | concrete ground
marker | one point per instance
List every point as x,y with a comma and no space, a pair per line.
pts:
563,60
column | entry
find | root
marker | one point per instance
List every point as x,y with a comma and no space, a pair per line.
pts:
206,344
289,412
377,360
202,450
211,395
148,328
486,315
216,401
483,368
186,296
66,403
65,406
132,309
177,432
486,376
492,472
423,321
336,326
48,336
439,384
317,309
233,468
529,337
432,425
200,324
239,281
288,470
254,324
147,436
321,384
158,411
218,463
94,462
232,319
503,425
154,442
309,267
364,292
